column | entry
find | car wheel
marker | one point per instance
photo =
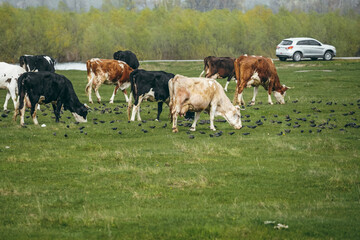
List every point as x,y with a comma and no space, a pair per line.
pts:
282,59
297,56
313,59
328,56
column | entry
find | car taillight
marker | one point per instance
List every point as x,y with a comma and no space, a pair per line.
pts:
291,47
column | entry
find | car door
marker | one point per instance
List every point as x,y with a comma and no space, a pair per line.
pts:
316,48
304,47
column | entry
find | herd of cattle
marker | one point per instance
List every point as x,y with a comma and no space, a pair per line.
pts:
36,82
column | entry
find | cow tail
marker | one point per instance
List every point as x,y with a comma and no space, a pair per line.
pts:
171,94
238,79
132,92
21,97
89,77
129,105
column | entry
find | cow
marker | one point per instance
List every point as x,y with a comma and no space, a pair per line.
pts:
148,85
215,67
253,71
48,87
198,94
37,63
9,75
128,57
107,71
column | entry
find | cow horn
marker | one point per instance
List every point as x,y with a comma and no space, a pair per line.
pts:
88,108
288,87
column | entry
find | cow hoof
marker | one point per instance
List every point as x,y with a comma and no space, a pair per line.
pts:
175,130
214,129
252,103
192,129
270,103
111,102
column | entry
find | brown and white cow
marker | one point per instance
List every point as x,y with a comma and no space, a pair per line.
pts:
253,71
107,71
198,94
219,67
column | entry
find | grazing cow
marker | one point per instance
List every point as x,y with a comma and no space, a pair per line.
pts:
107,71
198,94
128,57
37,63
9,75
148,85
255,71
46,87
215,67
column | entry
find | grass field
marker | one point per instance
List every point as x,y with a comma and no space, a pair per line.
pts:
111,180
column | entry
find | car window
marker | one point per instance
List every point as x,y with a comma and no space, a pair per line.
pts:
314,43
286,42
303,42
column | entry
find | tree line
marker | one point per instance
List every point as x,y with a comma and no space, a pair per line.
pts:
161,33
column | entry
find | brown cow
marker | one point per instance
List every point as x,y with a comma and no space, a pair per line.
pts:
215,67
253,71
198,94
107,71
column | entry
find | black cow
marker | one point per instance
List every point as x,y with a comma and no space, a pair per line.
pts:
46,87
127,56
215,67
148,85
37,63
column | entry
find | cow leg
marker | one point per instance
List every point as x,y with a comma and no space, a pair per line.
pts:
33,112
6,100
202,73
11,93
238,99
174,120
57,108
226,86
212,116
114,93
269,92
56,112
125,94
256,88
96,90
160,105
193,126
22,114
136,109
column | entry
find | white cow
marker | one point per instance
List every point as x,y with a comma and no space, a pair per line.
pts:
198,94
8,80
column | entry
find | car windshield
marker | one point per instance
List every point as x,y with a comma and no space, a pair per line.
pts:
286,42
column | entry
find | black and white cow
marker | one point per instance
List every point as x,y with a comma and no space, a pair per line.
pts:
127,56
37,63
148,85
47,87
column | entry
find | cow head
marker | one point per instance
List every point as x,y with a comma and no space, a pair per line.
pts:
234,117
81,113
280,94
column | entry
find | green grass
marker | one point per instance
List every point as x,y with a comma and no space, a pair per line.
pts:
161,185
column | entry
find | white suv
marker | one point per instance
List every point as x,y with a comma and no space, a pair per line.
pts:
297,48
